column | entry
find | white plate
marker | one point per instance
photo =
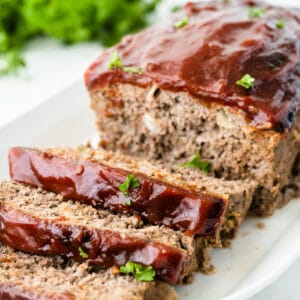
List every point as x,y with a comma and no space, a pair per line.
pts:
258,256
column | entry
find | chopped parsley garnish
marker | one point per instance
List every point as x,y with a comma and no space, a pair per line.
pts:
136,70
197,163
128,268
128,202
183,22
280,24
139,272
116,63
256,12
82,253
247,81
130,182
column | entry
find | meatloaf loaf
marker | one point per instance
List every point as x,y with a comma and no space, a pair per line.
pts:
39,222
220,78
198,205
31,277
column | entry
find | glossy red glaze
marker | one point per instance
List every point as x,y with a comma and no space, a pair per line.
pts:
98,184
220,44
105,248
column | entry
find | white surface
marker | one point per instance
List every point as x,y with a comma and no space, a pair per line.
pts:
51,67
67,121
257,257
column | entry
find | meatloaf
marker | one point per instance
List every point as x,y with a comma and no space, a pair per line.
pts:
198,205
31,277
39,222
219,78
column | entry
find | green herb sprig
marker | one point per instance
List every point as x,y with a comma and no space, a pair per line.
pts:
136,70
130,182
280,24
82,253
197,163
116,63
247,81
139,272
256,12
128,202
182,23
68,21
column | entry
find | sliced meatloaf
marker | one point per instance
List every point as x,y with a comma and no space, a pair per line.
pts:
221,78
31,277
197,204
39,222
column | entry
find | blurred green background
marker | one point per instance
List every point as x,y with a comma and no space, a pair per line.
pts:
69,21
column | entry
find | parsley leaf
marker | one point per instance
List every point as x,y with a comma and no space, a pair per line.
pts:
128,268
144,273
247,81
115,61
183,22
256,12
136,70
128,202
130,182
82,253
140,272
196,163
280,24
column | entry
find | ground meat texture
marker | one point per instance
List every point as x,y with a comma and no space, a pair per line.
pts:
39,222
56,169
220,134
187,100
157,201
32,277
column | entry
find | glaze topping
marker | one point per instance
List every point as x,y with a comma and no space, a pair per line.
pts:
220,42
104,248
98,184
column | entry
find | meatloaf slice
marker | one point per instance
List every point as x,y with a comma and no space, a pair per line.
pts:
31,277
225,82
194,205
39,222
77,175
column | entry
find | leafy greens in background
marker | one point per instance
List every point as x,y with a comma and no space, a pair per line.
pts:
69,21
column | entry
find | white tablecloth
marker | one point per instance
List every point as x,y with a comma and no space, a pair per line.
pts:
51,68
